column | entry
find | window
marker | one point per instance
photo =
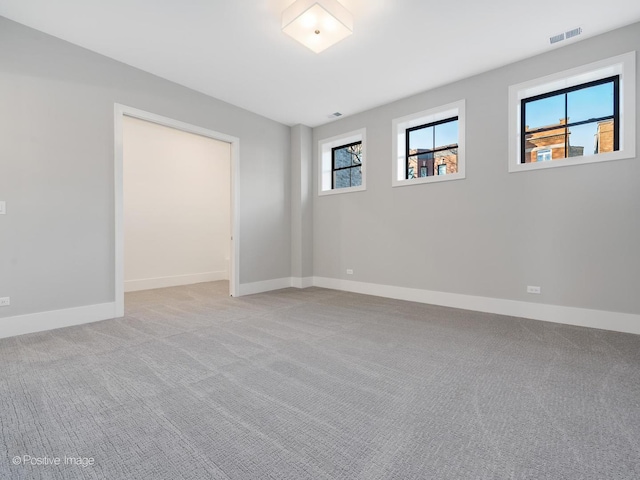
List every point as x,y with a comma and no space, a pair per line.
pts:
582,115
342,164
346,165
543,155
429,146
571,122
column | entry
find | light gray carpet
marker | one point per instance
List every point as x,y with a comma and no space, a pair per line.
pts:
319,384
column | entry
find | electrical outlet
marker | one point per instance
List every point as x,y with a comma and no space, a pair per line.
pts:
349,271
533,289
5,301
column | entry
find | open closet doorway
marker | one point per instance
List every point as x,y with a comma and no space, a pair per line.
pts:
175,204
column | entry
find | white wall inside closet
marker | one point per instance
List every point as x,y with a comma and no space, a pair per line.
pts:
177,205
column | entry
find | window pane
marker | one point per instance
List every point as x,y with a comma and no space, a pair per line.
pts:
584,139
592,102
446,134
544,112
342,178
421,139
342,157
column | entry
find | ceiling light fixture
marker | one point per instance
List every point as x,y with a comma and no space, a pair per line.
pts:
317,24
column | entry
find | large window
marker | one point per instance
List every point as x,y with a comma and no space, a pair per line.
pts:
342,163
571,122
583,115
429,146
346,165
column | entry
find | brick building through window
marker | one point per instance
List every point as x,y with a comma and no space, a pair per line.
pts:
555,143
426,162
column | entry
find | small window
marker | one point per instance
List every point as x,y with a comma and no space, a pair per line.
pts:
346,162
429,146
582,115
342,163
571,122
543,155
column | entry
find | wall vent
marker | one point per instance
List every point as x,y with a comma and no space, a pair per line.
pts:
573,33
556,38
566,35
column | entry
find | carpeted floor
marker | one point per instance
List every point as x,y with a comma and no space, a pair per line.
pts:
317,384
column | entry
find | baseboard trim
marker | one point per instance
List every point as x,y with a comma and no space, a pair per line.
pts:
302,282
39,322
265,286
174,281
583,317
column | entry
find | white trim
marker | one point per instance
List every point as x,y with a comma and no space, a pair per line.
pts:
119,112
174,281
605,320
324,161
42,321
399,127
623,65
302,282
265,286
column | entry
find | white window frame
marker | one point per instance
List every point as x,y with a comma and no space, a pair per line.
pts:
546,150
398,144
622,65
325,163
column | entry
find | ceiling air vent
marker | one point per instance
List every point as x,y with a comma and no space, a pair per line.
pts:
335,115
573,33
556,38
566,35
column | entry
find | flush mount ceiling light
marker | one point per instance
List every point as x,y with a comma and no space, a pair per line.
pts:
317,24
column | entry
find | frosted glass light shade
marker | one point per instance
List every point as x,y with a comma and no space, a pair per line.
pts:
317,24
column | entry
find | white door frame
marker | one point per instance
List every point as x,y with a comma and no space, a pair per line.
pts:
119,112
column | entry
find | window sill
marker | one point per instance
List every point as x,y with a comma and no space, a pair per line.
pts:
336,191
567,162
425,180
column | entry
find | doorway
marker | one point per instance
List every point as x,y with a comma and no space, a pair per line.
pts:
179,219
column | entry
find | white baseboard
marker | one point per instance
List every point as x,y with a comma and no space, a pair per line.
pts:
605,320
174,281
38,322
583,317
301,282
264,286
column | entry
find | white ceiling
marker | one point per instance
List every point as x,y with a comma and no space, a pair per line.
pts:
234,50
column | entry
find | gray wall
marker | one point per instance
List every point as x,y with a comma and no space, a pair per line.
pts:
574,231
301,202
57,161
